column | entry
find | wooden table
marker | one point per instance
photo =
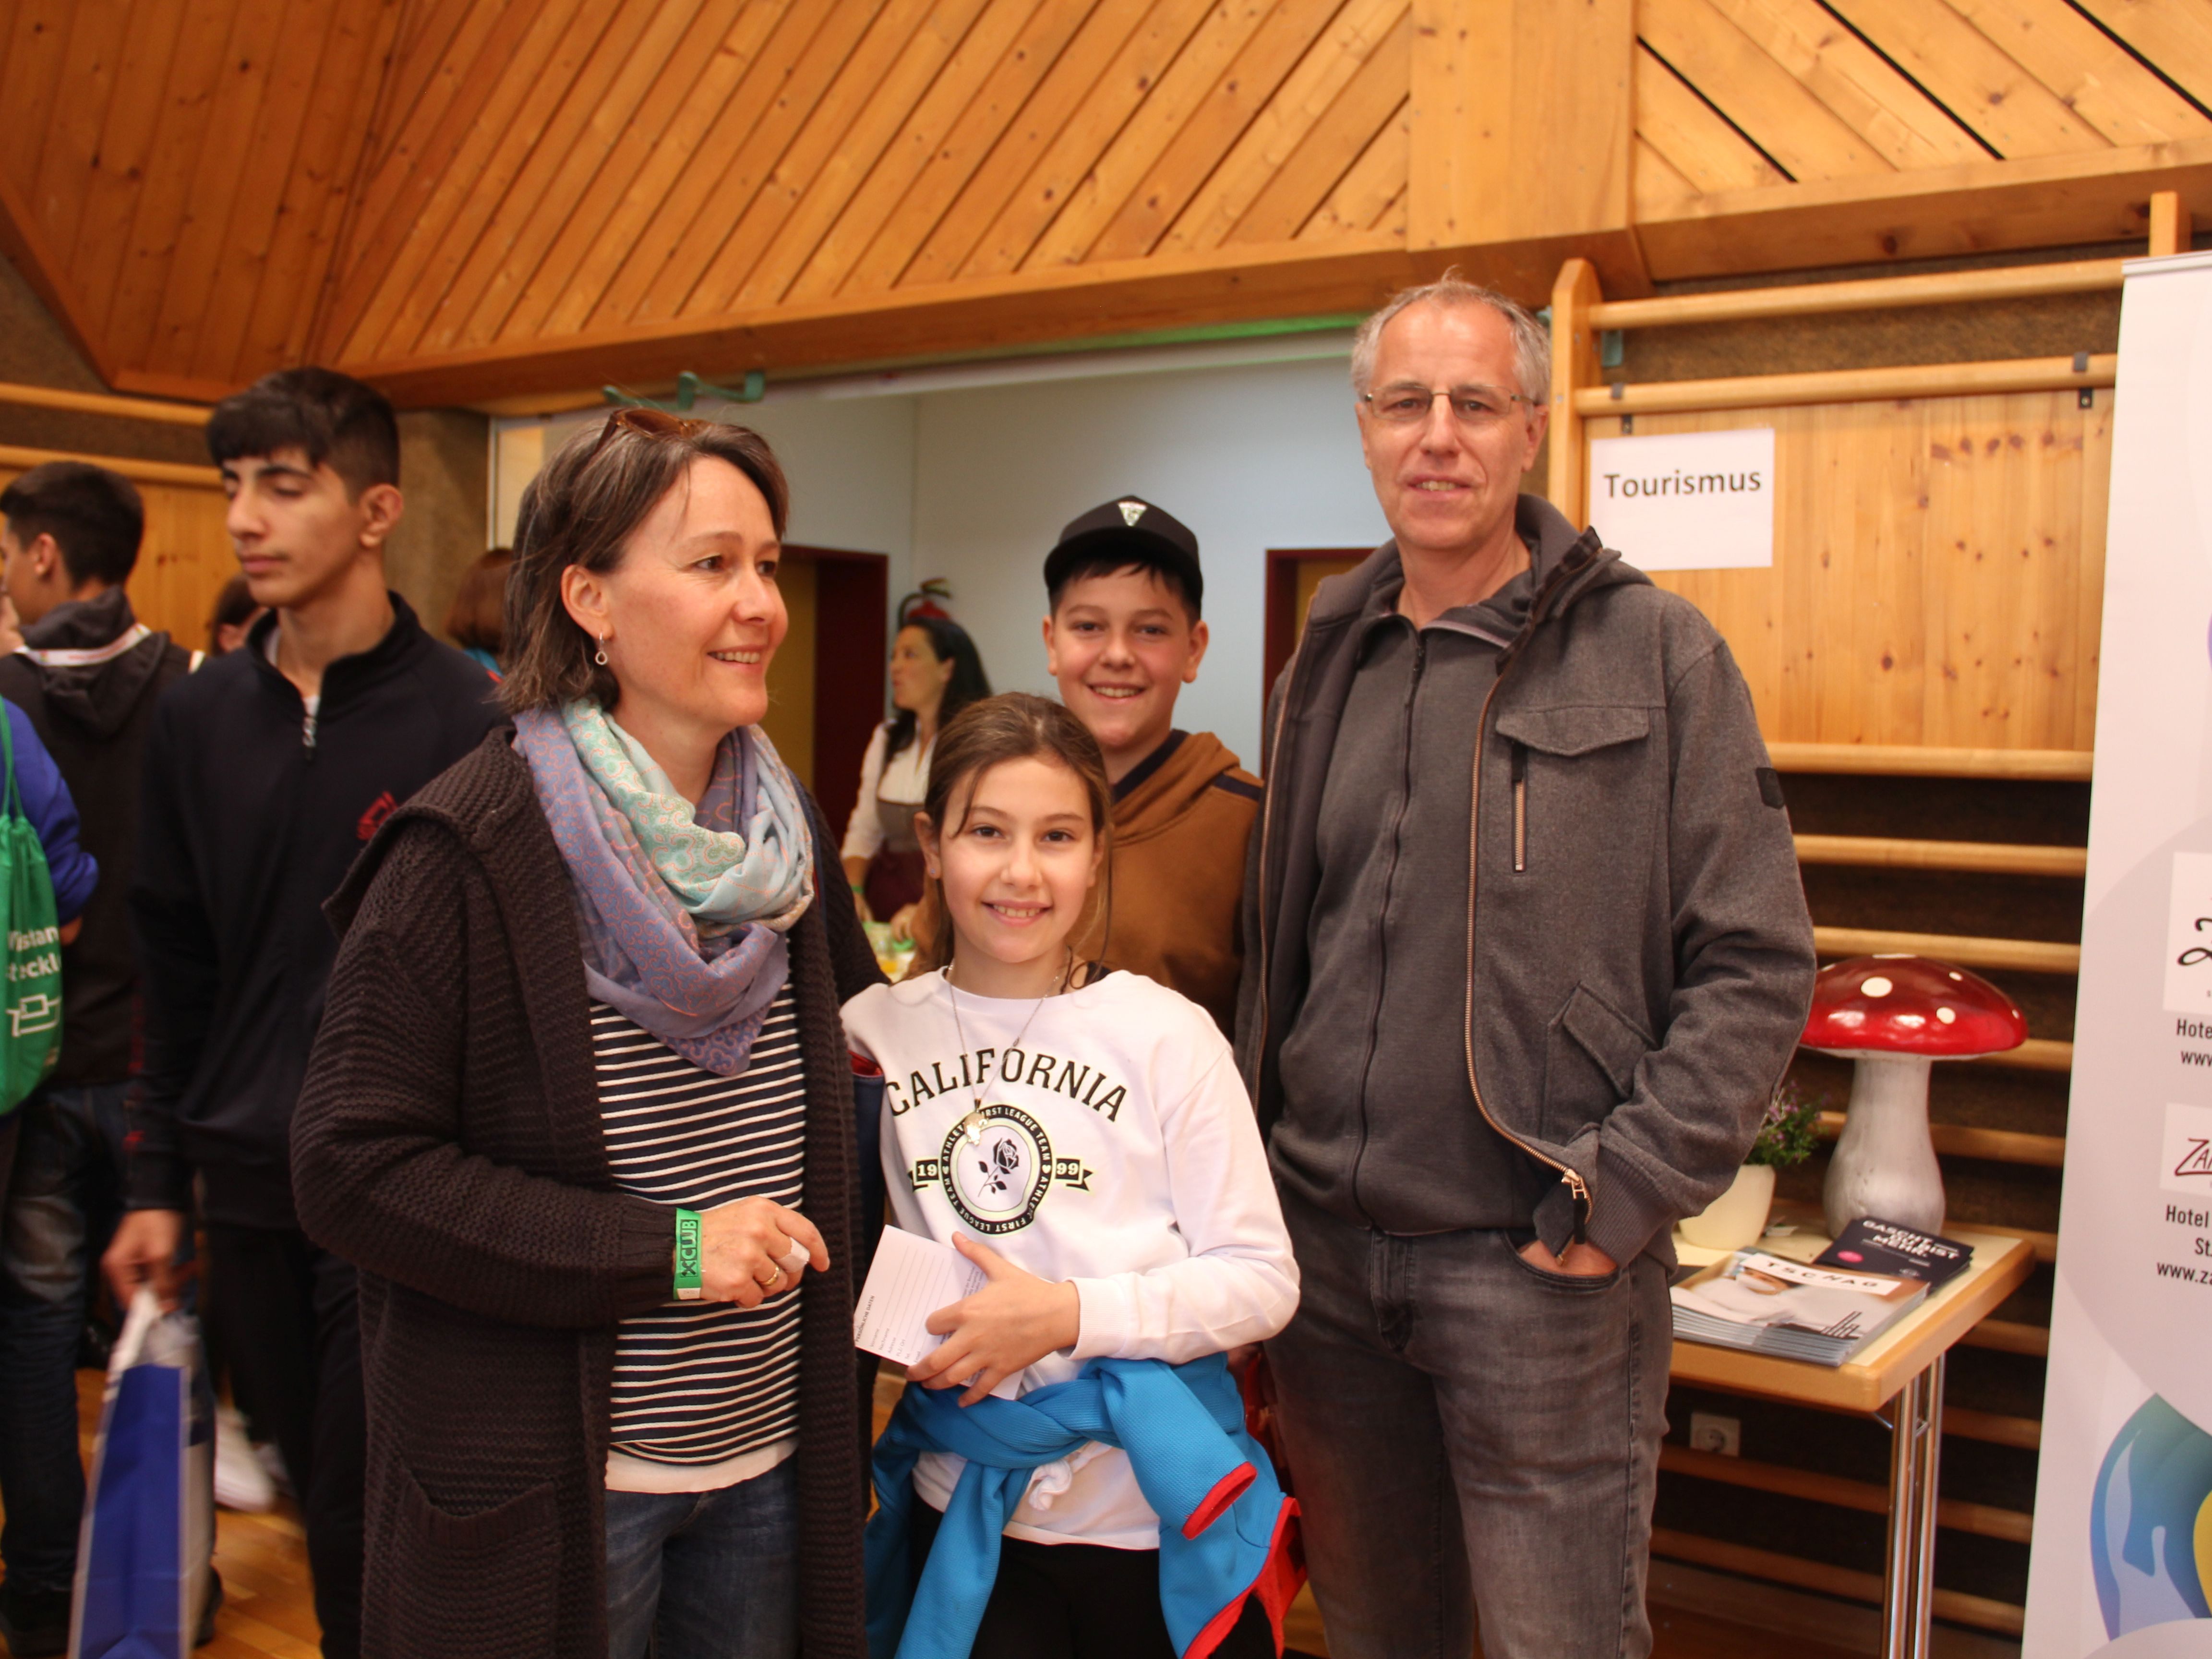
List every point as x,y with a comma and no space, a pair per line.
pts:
1904,1364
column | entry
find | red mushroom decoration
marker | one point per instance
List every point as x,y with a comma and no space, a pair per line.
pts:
1892,1016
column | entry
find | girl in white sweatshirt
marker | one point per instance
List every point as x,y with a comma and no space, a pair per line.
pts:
1082,1136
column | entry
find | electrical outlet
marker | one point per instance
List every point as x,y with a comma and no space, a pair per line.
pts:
1711,1432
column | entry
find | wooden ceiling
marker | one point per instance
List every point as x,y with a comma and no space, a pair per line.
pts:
472,199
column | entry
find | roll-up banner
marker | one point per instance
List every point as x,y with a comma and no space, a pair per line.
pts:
2123,1553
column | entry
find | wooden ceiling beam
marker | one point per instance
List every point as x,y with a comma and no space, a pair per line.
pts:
2015,113
1067,303
1522,131
2046,201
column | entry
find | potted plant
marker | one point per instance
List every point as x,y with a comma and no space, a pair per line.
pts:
1786,1135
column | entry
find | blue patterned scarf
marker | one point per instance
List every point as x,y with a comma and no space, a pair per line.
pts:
683,910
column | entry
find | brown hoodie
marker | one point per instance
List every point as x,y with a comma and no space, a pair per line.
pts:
1182,821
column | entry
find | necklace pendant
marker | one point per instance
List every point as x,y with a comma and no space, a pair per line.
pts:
972,1125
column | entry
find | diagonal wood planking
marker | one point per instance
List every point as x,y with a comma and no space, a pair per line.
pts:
231,185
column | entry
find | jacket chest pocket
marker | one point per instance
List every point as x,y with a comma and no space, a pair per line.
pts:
1570,770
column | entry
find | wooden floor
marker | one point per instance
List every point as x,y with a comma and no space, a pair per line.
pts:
267,1612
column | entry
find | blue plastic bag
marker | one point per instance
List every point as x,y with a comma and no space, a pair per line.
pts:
142,1576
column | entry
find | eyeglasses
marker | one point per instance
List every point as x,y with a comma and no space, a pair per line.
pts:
646,423
1476,408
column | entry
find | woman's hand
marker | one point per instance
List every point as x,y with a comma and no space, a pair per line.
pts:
1013,1321
752,1249
903,921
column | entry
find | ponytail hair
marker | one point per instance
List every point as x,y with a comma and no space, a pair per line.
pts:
1012,727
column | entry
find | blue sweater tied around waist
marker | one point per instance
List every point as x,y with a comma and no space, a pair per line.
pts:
1224,1522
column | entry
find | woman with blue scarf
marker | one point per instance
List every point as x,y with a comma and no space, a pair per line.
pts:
580,1112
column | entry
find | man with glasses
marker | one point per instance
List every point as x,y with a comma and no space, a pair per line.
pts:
1532,955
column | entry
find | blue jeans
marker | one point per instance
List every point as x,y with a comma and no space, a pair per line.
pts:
1466,1430
62,1204
706,1575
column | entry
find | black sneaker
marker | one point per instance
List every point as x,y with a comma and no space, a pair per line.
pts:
35,1621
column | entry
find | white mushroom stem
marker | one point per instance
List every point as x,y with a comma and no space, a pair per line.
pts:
1885,1164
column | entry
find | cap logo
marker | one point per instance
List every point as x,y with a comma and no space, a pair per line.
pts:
1131,511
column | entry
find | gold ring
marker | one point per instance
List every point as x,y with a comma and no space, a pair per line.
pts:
771,1282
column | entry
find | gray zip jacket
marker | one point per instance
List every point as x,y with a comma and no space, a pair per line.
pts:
1636,972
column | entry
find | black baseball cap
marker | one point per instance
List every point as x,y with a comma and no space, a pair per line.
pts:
1130,527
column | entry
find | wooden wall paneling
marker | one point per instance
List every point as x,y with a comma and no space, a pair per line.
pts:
1684,131
877,195
605,98
1494,86
1068,141
110,186
1115,52
2098,80
1772,107
1183,125
1324,114
954,161
164,194
297,275
37,60
184,562
630,193
71,147
1277,87
1910,129
513,209
799,83
2174,34
860,139
1369,187
1900,610
1971,75
1298,186
203,343
1658,186
230,161
401,211
708,182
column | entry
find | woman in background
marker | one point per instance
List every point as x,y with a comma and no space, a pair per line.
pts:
476,620
935,673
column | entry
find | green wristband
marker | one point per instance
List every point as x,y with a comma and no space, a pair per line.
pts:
688,1285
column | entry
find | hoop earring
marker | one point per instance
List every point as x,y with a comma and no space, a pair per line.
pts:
601,655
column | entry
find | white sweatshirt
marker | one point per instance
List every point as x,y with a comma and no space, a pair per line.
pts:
1118,1151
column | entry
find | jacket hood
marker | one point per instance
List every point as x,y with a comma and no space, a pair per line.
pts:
96,660
1565,565
1169,783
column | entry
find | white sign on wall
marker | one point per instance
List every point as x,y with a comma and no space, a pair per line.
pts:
1687,501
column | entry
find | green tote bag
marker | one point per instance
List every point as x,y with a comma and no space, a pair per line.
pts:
32,1040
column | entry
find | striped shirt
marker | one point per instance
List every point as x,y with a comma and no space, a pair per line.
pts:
704,1382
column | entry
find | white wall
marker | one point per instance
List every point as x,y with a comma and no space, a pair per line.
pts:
1250,458
972,482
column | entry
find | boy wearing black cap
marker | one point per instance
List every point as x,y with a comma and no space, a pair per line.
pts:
1124,637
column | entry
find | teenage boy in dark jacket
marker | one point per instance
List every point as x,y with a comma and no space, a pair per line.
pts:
86,679
1531,953
266,772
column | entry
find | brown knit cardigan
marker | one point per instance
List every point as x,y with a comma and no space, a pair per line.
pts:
448,1144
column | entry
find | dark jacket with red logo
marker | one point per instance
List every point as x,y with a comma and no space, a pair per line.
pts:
251,813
